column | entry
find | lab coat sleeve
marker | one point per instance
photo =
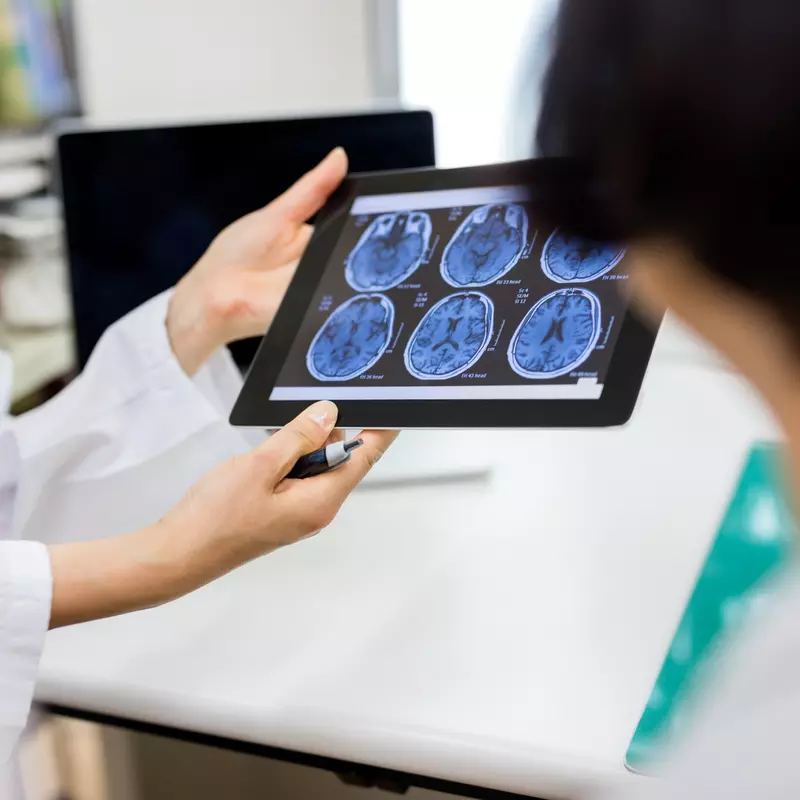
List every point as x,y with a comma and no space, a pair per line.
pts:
25,600
25,597
131,404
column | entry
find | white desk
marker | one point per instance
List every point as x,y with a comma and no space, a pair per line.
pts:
502,634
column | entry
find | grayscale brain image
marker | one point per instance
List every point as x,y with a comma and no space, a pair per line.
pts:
557,335
570,259
389,251
451,337
486,246
457,294
353,339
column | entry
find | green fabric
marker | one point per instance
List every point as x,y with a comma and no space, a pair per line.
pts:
753,543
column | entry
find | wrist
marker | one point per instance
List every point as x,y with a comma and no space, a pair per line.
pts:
195,549
189,329
181,554
163,566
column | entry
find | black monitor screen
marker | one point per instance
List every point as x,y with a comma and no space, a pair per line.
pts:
141,206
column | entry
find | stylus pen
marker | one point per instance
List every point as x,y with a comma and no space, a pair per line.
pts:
324,460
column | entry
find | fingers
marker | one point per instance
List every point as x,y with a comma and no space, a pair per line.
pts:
335,486
295,249
304,434
302,239
337,435
302,200
248,307
376,443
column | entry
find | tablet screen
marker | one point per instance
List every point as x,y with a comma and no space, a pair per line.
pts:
457,294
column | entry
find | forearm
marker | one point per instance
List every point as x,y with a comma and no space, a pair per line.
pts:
139,570
243,509
110,576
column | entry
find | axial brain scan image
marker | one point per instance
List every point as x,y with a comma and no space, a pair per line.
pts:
486,245
389,251
355,336
570,259
452,336
557,335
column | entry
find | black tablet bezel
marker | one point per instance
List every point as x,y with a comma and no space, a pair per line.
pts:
254,409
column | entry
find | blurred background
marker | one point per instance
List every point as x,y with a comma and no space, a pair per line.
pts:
136,70
152,63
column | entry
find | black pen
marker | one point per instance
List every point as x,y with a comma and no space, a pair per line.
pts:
324,460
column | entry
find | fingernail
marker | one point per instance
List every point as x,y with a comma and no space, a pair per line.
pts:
324,414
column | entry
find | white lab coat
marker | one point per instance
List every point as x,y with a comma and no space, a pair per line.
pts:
110,453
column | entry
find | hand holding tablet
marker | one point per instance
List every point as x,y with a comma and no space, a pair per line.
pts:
440,299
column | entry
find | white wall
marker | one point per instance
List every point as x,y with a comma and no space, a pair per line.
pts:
157,59
466,60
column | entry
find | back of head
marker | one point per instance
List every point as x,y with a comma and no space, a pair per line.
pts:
683,117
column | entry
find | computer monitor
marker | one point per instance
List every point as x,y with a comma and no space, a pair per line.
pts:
142,205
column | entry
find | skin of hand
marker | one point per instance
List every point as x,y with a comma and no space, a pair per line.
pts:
241,510
235,289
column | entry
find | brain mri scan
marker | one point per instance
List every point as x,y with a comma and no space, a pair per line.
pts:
389,251
557,335
355,336
570,259
487,244
452,336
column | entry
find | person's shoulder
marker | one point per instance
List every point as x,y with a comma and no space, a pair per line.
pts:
741,733
768,648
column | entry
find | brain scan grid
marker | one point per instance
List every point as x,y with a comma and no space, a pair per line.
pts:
355,336
389,251
446,297
452,336
570,259
557,335
486,246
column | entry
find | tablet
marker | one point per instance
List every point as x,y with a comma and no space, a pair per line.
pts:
441,299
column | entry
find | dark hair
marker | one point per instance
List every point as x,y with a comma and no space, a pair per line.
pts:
683,117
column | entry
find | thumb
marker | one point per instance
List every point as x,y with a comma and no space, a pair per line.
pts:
304,434
307,196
